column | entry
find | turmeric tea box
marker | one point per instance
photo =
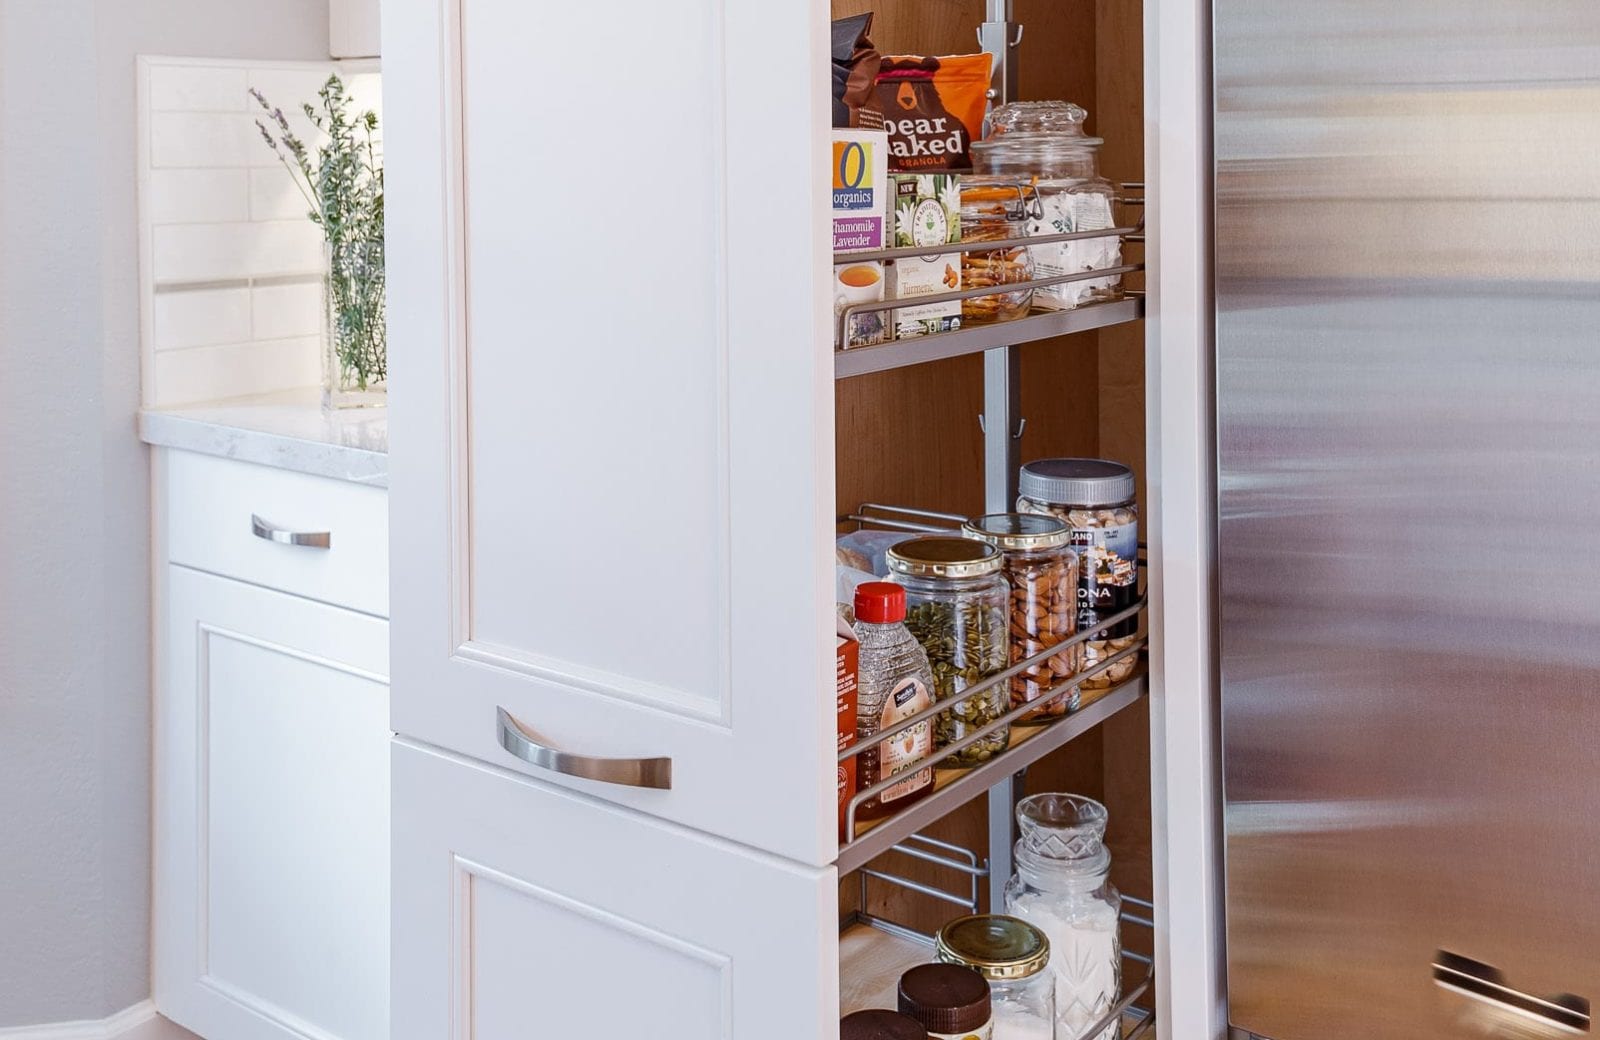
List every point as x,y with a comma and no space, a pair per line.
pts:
924,210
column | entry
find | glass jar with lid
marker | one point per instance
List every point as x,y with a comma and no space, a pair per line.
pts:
1041,571
1095,497
1060,887
1014,956
1043,143
994,209
956,601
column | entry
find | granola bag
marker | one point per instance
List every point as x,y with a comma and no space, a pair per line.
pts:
932,108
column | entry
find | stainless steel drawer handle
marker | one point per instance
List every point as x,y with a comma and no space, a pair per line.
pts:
273,533
1487,983
629,772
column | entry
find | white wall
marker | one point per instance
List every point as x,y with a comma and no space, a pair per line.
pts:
74,502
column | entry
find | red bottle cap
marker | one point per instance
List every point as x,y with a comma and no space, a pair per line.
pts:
880,602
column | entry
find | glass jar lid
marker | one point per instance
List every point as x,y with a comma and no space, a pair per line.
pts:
939,556
1077,482
1049,117
1063,834
994,945
1018,531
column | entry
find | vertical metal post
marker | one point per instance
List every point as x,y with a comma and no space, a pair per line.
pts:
1002,432
1002,429
999,36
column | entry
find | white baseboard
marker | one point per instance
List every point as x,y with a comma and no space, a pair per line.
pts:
139,1022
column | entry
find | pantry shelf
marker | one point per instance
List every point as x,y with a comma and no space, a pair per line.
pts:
953,787
860,361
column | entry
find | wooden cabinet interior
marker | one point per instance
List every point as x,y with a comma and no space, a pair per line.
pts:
911,436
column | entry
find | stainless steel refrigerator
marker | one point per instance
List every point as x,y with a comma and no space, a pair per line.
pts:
1408,441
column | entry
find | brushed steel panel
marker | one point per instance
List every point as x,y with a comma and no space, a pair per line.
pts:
1408,366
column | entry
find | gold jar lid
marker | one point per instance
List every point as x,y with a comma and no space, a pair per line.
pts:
1019,531
941,556
994,945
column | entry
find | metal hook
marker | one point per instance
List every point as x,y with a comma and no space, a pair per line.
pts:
1022,424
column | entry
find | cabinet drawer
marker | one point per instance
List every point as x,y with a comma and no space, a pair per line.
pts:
323,539
517,903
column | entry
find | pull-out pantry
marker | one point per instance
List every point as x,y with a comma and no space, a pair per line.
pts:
621,483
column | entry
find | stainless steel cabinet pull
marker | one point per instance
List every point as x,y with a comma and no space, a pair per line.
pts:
1487,983
629,772
272,533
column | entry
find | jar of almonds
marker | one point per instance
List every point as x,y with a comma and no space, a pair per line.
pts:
993,209
956,606
1041,571
1096,499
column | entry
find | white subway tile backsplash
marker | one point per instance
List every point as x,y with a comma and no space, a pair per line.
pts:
288,87
234,370
175,196
233,266
220,252
283,311
198,88
277,194
201,317
205,139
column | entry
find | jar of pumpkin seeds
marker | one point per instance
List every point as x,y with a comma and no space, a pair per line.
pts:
956,606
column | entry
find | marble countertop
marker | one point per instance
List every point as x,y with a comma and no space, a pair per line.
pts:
288,430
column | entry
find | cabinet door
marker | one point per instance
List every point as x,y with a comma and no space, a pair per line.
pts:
522,909
612,398
271,815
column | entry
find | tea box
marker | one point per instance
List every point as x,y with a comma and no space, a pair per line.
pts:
860,201
925,210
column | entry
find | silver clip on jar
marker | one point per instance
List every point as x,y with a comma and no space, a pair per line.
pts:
1041,571
1096,499
956,604
1013,956
1043,143
1061,888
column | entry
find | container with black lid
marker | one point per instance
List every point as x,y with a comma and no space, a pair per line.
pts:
880,1025
950,1000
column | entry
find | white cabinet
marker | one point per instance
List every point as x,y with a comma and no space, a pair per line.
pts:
353,28
271,858
612,486
531,910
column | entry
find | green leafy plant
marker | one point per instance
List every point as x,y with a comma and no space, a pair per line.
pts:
343,185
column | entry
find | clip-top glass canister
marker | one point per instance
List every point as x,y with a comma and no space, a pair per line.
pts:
1043,143
1014,956
1061,887
956,607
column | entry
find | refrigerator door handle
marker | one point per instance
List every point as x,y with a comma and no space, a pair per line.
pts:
1485,982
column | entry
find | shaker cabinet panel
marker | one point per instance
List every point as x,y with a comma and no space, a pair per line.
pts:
271,815
518,905
612,410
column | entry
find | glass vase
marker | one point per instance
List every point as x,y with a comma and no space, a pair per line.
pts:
355,355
